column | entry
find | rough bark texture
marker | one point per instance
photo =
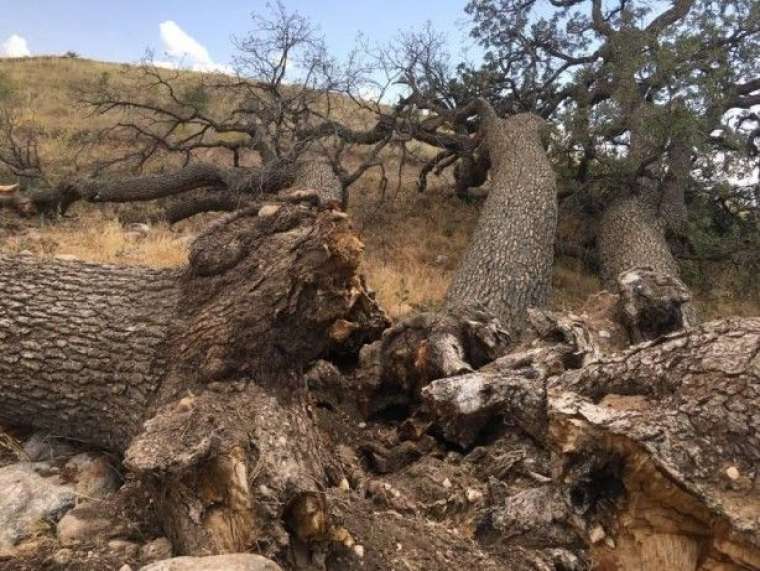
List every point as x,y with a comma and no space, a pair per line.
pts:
195,376
319,175
83,347
654,450
652,304
670,429
632,235
508,265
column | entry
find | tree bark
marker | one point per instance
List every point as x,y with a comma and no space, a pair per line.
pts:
632,235
654,450
507,267
83,346
673,424
195,376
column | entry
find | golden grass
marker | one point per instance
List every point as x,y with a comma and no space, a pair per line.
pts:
413,241
97,236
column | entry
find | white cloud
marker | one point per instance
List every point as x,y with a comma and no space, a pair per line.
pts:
184,51
181,45
15,46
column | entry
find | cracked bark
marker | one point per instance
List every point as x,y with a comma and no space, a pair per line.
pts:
183,372
507,267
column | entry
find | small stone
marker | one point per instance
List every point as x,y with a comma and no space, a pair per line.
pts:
125,567
473,495
359,550
26,253
268,210
63,556
156,550
604,334
67,258
95,476
446,483
597,534
344,485
441,260
228,562
610,543
84,525
732,472
126,549
26,499
362,425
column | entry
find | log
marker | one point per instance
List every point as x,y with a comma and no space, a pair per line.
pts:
195,375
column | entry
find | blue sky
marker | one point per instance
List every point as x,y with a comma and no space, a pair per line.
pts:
122,30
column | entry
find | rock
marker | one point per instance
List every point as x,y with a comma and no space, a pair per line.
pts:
123,548
156,550
268,210
139,228
63,556
85,524
28,500
230,562
41,446
95,476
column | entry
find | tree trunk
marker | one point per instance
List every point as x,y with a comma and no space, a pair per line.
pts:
83,347
654,451
507,267
196,375
659,450
631,235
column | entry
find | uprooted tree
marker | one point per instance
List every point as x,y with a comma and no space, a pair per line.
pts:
638,95
221,383
231,387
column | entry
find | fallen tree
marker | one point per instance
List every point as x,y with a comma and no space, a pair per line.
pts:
193,375
507,267
203,379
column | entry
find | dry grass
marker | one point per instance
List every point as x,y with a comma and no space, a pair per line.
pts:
413,241
95,235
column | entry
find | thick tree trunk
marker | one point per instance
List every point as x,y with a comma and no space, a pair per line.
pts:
654,450
507,267
196,375
83,347
659,450
632,235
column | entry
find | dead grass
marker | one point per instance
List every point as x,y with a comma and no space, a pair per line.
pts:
95,235
413,241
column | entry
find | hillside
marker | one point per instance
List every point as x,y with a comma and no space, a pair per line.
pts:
413,241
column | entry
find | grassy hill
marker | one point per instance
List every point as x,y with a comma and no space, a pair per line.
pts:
413,241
